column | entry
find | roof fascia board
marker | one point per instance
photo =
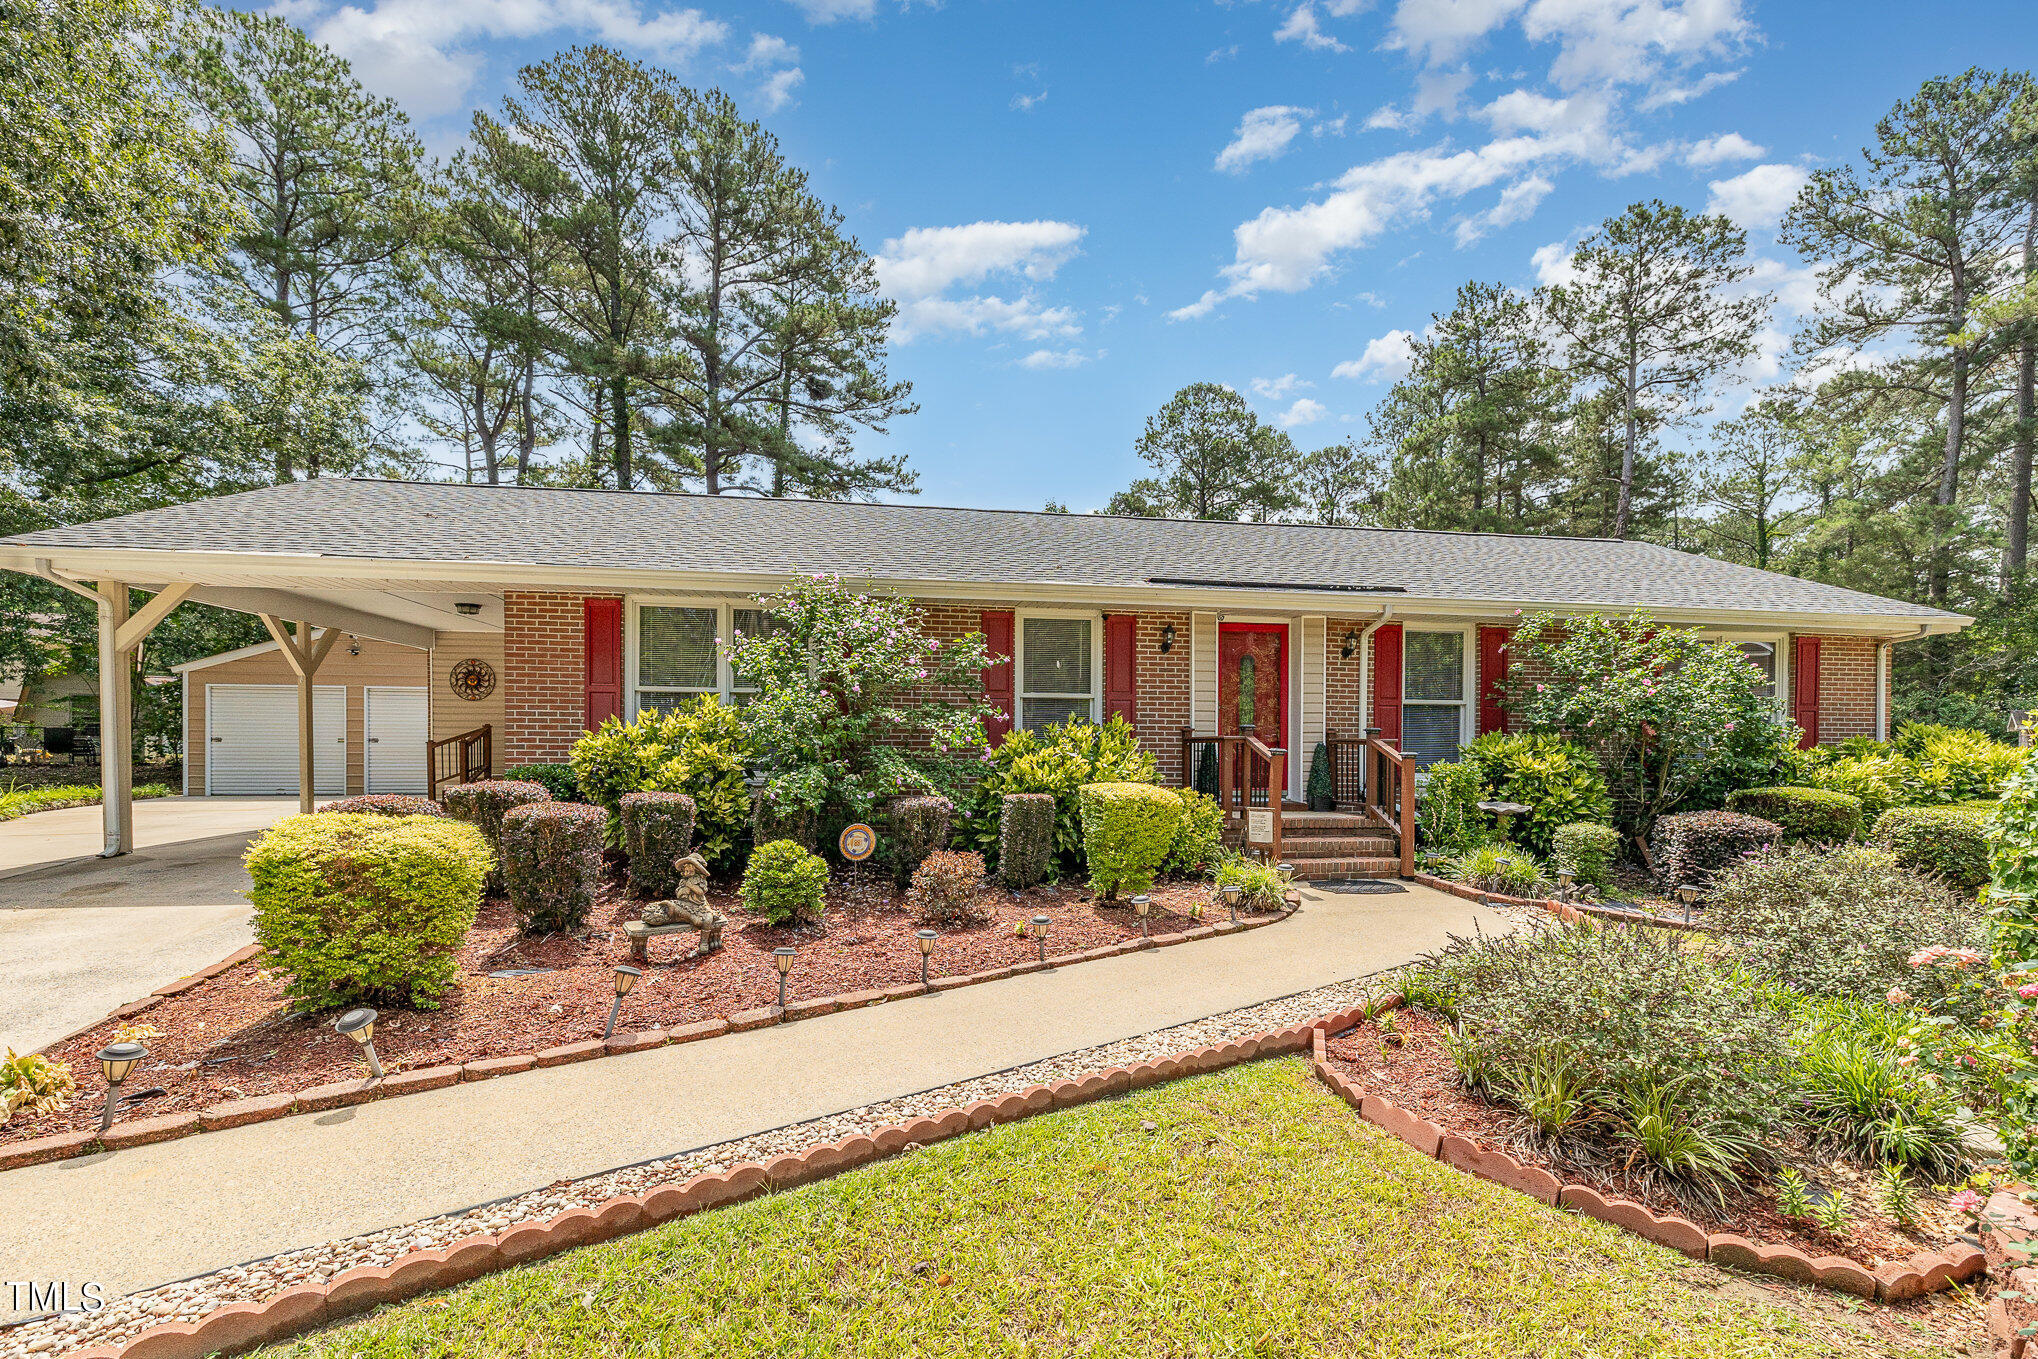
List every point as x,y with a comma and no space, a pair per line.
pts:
142,565
240,653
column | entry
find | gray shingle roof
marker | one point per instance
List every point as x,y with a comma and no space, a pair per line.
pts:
417,521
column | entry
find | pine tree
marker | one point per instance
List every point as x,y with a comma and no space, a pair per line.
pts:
1216,460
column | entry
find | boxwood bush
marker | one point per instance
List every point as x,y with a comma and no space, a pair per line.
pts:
657,829
1128,829
1200,842
385,804
1025,838
1819,816
557,779
1587,849
365,907
551,862
484,805
1692,846
1057,761
1948,842
785,882
914,827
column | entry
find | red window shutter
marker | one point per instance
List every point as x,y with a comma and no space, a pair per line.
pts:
1492,672
1121,667
1804,690
997,630
602,650
1387,681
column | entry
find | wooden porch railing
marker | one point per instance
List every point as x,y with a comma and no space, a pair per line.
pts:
1390,794
466,758
1347,756
1243,773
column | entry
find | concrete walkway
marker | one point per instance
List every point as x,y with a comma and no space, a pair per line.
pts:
80,934
148,1215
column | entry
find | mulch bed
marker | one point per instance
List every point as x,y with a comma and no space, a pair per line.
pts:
1419,1076
25,776
236,1035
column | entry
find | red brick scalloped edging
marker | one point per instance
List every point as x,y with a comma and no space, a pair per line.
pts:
316,1098
1924,1272
1568,912
242,1326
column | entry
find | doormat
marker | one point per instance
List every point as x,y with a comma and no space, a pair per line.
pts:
1358,886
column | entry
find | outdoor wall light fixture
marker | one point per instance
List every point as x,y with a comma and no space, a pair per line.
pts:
115,1062
1040,935
1232,892
927,938
466,608
1351,644
1141,904
1167,638
784,958
626,977
359,1025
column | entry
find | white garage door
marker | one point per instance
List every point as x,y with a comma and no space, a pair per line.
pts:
398,724
251,739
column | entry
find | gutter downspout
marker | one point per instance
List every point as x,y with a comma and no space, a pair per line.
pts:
1365,663
1884,661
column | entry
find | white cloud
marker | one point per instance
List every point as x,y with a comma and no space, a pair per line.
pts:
1438,93
1554,264
1757,197
1026,103
1263,134
1669,96
1045,359
920,267
1386,357
1728,146
777,90
828,11
778,60
1301,26
1438,30
1273,389
1628,41
1518,202
420,53
1303,412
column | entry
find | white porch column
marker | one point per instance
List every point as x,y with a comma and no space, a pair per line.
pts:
116,722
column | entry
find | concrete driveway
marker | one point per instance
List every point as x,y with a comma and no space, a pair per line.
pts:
80,934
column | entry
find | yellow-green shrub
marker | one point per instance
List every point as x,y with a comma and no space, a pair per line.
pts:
1948,842
370,908
697,748
1128,829
1200,842
785,883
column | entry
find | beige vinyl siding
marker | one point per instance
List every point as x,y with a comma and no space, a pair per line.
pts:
452,714
1203,672
1313,695
378,663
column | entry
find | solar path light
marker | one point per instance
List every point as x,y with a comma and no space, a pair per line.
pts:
116,1062
359,1025
626,977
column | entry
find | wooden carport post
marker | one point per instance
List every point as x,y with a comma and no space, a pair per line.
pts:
303,654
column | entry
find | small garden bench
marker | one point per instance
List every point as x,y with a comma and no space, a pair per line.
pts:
642,934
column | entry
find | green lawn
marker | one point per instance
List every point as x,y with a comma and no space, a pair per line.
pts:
1260,1217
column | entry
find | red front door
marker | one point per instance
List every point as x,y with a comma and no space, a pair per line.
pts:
1266,646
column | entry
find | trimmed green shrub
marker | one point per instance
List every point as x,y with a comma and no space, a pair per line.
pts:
948,886
1128,829
1447,815
697,748
657,829
1200,841
366,908
551,862
1322,793
1025,838
385,804
772,820
557,779
1587,849
1692,846
1499,867
1558,781
1263,886
914,828
1816,816
484,805
785,882
1842,921
1946,842
1059,760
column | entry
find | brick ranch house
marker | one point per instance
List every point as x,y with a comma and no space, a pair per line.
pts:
546,611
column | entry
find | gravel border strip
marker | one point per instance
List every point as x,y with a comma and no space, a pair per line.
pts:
337,1094
191,1300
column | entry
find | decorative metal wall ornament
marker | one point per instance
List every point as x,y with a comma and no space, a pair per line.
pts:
472,679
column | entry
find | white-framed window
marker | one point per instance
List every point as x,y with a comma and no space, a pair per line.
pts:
1769,653
1436,693
1059,667
672,650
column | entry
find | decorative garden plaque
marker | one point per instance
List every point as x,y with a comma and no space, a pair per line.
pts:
1259,827
473,679
857,842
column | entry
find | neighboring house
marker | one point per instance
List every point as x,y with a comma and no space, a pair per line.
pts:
580,605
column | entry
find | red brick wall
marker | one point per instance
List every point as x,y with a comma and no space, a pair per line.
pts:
1341,676
544,677
1163,691
1846,688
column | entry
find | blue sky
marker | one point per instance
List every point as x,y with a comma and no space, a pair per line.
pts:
1083,206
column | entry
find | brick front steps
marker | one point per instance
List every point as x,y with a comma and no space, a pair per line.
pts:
1324,846
1924,1272
282,1104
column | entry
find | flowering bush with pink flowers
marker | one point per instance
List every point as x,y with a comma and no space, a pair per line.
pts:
1673,719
